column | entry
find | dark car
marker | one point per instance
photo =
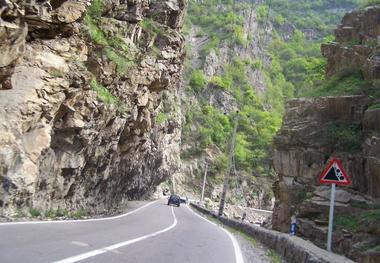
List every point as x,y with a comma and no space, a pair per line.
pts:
174,199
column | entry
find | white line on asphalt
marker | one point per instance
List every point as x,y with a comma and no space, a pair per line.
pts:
79,220
116,246
238,254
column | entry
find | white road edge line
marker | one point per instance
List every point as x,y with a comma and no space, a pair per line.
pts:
238,254
116,246
79,220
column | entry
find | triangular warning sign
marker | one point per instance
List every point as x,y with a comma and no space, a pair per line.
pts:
334,174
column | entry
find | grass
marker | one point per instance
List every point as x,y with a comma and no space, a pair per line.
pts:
343,137
344,84
107,97
347,222
116,49
161,117
96,34
370,3
374,106
80,213
274,257
122,63
359,221
104,94
34,212
152,27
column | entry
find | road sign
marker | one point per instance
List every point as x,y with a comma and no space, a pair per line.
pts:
334,174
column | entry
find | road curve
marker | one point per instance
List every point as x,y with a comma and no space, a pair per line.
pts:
154,233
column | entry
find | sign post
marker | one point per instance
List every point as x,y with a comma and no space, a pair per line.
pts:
334,175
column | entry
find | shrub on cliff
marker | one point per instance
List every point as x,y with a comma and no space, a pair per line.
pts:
198,80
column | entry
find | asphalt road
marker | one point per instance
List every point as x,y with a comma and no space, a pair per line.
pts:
153,233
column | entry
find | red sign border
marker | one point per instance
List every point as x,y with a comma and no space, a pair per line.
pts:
325,171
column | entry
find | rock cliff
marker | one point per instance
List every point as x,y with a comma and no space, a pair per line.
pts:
316,130
356,46
88,101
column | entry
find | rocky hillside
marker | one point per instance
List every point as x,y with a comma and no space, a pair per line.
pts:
88,101
345,127
223,76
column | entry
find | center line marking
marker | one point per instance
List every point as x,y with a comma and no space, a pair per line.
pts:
116,246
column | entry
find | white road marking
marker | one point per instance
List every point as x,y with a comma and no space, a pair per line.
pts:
79,220
116,246
238,254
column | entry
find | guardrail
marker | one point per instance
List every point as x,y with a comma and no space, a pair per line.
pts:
291,248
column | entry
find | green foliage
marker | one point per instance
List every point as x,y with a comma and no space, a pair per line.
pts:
347,222
217,21
34,212
359,221
198,80
96,8
80,213
116,49
343,137
374,106
152,27
311,14
103,93
274,257
365,3
96,34
347,83
122,64
61,212
161,117
223,82
262,13
296,65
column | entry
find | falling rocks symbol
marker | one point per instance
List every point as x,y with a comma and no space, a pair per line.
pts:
334,173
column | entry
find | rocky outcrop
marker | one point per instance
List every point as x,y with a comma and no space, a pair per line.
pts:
314,131
89,99
347,128
357,45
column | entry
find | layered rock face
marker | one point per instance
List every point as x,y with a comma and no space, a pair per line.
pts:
314,131
356,47
347,128
89,100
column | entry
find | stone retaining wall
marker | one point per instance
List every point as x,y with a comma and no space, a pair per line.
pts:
291,248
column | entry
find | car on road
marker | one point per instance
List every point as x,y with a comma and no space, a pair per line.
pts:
183,200
175,200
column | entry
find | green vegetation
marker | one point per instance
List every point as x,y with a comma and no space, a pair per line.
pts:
366,220
152,27
80,213
217,20
274,257
161,117
198,80
106,96
321,16
103,93
344,137
34,212
116,49
366,3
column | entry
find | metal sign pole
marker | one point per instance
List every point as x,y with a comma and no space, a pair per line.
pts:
331,217
204,183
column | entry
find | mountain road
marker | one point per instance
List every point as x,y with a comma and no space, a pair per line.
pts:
154,232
